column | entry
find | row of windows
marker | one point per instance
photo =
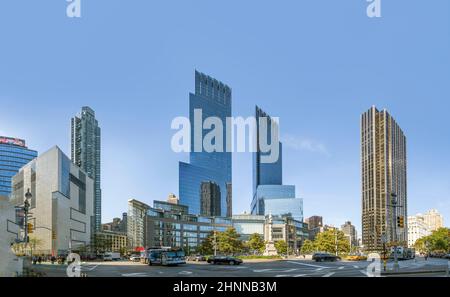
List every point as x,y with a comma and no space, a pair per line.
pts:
5,183
15,158
14,151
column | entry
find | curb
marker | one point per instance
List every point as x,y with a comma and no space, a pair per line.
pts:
413,272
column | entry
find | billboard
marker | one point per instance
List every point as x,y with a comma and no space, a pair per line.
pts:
12,141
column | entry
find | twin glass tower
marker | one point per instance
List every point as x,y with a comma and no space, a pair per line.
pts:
214,169
205,184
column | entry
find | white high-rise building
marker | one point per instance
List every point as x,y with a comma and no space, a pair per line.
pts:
433,219
417,228
61,205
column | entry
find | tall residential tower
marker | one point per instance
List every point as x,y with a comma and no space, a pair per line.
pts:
383,162
85,153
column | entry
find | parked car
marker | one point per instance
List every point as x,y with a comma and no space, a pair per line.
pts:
135,258
199,258
224,260
322,257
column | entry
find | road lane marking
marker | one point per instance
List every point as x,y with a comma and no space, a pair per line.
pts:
310,265
275,270
364,272
290,275
342,267
88,267
134,274
185,272
329,274
356,267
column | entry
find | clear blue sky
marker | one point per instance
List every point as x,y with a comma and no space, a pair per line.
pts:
315,64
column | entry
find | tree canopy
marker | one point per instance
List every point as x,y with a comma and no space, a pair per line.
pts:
439,240
328,240
256,243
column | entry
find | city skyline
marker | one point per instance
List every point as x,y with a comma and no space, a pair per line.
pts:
317,91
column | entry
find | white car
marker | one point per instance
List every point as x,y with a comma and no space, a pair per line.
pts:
135,258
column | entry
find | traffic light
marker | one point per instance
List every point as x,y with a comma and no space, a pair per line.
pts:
53,234
29,228
400,222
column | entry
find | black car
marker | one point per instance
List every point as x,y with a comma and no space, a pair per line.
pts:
224,260
322,257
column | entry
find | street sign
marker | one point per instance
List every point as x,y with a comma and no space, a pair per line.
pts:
384,238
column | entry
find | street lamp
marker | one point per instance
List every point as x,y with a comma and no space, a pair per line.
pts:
26,208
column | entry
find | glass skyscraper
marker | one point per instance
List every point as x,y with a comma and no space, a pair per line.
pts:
85,153
270,196
266,173
213,98
13,155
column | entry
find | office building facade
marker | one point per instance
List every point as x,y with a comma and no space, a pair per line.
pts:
314,222
248,224
384,179
417,229
286,228
86,153
111,241
14,154
174,228
213,99
136,224
61,203
117,224
433,219
349,231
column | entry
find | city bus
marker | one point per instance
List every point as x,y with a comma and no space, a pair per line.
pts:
165,256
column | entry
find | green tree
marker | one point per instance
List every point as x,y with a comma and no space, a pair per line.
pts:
207,245
308,247
420,245
327,241
256,243
229,242
33,244
438,241
281,247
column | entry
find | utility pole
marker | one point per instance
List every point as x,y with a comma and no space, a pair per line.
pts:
215,240
336,240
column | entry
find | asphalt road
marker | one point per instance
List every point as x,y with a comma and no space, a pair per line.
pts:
279,268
